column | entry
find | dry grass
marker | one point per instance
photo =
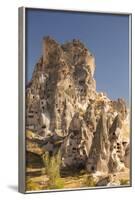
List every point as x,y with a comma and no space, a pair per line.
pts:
32,186
89,181
124,182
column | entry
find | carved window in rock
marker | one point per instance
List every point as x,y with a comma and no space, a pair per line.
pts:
81,82
84,153
56,105
118,151
74,148
43,108
31,111
124,143
81,90
42,102
92,168
64,114
44,126
76,132
58,110
31,116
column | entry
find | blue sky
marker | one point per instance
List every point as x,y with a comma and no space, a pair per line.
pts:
106,36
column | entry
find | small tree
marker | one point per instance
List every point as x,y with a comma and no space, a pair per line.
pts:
52,169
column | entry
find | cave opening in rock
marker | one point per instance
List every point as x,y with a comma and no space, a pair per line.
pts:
92,168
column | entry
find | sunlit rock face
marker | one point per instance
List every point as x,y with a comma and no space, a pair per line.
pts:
100,149
62,83
61,99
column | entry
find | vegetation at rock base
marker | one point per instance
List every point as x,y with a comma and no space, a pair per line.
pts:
31,186
52,169
89,181
124,182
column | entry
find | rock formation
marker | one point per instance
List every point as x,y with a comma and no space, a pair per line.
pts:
62,104
100,150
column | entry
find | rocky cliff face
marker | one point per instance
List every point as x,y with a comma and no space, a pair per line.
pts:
62,102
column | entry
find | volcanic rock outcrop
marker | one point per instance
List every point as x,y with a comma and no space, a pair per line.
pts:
62,102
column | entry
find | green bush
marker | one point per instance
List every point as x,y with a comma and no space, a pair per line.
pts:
124,182
89,181
32,186
52,169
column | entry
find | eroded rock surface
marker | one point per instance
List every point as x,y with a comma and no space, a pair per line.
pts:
62,102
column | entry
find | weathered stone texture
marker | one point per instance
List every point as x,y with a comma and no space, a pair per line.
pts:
62,101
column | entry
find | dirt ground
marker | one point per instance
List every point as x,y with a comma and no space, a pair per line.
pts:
37,180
